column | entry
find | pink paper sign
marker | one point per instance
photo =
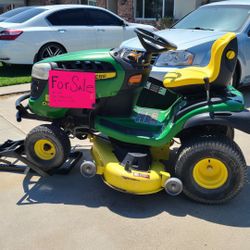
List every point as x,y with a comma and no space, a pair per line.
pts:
71,89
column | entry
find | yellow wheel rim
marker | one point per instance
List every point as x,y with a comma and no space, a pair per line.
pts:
45,149
210,173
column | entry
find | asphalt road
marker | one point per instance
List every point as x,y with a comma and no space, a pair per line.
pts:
70,212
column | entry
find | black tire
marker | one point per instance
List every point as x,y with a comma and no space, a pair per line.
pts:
47,146
49,50
230,133
220,149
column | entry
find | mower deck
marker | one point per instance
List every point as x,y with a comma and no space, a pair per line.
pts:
126,178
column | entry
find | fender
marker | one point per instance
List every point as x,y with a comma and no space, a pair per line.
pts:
237,120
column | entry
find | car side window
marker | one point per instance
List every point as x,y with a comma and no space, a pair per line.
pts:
103,18
69,17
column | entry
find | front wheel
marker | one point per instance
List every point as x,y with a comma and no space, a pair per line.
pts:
213,170
47,146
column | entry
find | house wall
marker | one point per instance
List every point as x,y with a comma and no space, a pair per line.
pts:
6,5
112,5
101,3
182,8
124,7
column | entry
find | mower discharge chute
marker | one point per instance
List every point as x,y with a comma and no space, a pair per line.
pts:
135,118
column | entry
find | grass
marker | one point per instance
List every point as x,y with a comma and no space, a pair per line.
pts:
14,74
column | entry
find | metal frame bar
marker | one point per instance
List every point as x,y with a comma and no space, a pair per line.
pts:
15,150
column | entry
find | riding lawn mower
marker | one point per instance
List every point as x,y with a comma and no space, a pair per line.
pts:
132,119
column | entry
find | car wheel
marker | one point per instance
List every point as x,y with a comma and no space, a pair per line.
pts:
49,50
213,170
47,146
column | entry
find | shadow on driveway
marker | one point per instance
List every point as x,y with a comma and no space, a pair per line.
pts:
73,189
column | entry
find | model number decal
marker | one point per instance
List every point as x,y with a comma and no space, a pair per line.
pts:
128,178
103,76
147,176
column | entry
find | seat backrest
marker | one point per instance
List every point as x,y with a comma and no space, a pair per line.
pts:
223,60
219,71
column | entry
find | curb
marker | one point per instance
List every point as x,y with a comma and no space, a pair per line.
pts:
15,89
14,93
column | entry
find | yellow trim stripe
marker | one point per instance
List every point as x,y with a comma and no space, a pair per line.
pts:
103,76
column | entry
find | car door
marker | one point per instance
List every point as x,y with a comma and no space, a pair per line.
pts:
71,28
129,32
109,28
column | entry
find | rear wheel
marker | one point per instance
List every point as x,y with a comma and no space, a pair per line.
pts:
49,50
213,170
47,146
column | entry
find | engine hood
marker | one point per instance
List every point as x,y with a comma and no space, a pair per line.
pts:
183,38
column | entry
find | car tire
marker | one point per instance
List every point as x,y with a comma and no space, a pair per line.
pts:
213,170
47,146
49,50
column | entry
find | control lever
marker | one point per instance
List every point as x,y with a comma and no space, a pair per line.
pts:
207,88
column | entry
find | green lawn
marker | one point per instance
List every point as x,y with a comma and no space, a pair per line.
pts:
14,74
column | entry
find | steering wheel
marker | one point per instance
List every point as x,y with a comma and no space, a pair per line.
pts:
152,42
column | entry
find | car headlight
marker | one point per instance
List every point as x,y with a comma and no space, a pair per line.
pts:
175,58
41,71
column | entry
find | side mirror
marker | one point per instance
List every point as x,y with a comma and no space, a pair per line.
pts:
248,33
123,23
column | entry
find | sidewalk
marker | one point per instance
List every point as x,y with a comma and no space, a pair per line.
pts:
9,131
14,89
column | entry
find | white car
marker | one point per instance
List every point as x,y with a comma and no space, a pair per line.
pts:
46,31
13,12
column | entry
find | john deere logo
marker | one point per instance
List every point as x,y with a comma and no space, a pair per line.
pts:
103,76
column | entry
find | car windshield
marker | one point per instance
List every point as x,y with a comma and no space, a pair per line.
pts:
219,18
25,16
14,12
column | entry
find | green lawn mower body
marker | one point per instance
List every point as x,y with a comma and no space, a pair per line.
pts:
124,109
138,118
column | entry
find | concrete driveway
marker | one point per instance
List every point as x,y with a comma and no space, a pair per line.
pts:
70,212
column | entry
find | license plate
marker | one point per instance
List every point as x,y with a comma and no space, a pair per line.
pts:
72,89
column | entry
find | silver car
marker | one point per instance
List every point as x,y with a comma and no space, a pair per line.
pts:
195,34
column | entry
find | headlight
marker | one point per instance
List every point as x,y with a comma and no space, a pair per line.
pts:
175,58
41,71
